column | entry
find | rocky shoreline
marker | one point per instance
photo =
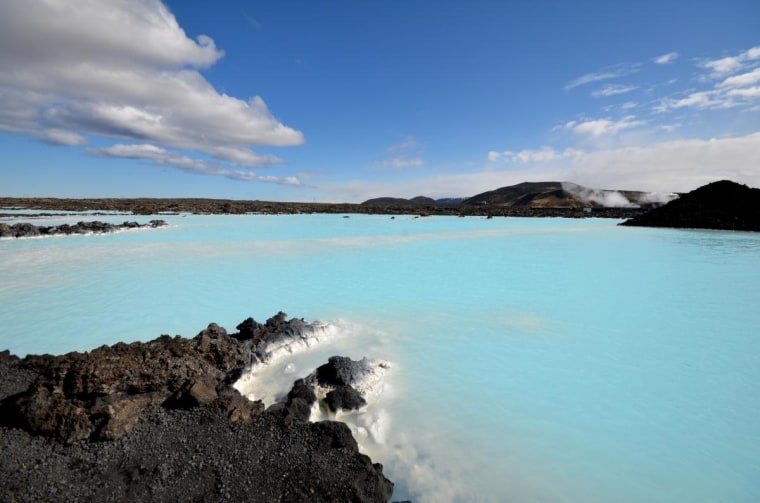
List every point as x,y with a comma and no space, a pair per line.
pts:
147,206
26,230
161,420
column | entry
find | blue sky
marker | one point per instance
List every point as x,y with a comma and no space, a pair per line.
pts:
343,101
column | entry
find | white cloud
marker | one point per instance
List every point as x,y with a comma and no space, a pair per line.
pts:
163,157
730,64
613,90
401,161
125,70
404,154
747,92
408,144
60,137
739,76
666,58
599,127
613,73
672,166
741,80
544,154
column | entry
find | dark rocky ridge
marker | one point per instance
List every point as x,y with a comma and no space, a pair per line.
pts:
226,206
160,420
723,205
23,230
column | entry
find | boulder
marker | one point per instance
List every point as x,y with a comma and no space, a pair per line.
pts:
344,397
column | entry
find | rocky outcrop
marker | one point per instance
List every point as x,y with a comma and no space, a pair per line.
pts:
25,230
101,394
175,426
723,205
280,335
341,383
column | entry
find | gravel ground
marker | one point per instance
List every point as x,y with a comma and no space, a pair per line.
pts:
187,455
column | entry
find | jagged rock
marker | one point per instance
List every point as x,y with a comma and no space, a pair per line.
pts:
67,398
334,435
363,375
194,392
344,397
301,389
237,408
298,406
279,334
22,230
116,392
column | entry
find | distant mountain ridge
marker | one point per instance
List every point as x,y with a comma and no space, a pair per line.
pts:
537,195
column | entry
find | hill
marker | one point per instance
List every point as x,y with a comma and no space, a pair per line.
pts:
536,195
400,201
723,205
563,195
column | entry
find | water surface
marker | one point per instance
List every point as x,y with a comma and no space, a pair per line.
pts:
533,359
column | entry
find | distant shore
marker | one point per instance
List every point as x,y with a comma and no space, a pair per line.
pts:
149,206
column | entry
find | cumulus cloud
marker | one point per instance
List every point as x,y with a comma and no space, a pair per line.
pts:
600,127
666,58
125,70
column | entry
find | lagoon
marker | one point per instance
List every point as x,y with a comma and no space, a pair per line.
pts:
533,359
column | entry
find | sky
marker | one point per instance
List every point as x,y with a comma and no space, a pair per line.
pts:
341,101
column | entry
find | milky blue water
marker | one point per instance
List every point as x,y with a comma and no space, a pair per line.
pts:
532,359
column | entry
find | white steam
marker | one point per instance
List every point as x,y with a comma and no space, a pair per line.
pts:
614,198
607,198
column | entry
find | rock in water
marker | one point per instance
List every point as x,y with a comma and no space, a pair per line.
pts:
365,375
344,397
185,449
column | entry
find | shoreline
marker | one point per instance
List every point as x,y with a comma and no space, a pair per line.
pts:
150,206
161,420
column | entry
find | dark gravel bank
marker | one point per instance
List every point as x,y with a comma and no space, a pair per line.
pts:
159,421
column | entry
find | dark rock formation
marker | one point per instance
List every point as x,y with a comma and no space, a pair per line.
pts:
175,429
720,205
342,371
344,381
24,230
393,206
344,397
101,394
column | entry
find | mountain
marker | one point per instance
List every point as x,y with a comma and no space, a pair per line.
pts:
539,195
534,194
565,195
719,205
400,202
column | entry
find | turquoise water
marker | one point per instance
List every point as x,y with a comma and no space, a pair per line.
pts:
532,359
